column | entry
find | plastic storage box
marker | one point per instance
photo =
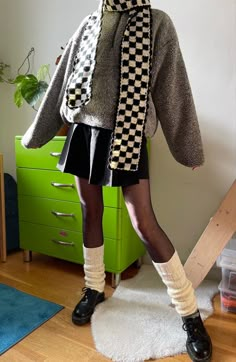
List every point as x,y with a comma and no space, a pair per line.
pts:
227,262
227,298
228,279
227,258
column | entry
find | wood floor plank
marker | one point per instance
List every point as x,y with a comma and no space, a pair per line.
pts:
59,340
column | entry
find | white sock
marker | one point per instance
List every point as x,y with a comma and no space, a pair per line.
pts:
94,268
179,288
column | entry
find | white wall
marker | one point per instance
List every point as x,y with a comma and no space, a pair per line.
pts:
45,25
183,199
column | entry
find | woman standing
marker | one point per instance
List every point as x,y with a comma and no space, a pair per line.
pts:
121,73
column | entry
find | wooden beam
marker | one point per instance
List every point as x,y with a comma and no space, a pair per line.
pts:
213,240
3,242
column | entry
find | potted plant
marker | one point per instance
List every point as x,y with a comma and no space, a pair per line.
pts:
29,87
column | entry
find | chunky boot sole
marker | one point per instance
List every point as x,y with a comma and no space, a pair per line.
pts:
86,319
194,359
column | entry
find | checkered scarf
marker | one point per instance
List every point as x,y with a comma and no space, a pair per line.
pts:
134,78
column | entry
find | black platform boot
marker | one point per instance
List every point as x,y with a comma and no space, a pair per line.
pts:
85,308
198,343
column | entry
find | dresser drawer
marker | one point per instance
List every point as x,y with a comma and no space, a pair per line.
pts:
68,245
46,157
64,215
57,185
43,183
51,241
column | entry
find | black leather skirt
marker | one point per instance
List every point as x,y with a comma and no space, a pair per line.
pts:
86,153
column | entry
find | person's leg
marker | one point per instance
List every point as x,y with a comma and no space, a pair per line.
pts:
93,250
167,263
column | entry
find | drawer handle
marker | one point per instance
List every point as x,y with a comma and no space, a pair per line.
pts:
56,213
56,184
55,154
65,243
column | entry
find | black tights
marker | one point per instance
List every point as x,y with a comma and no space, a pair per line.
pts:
138,202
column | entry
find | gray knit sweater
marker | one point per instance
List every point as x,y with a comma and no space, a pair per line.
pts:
170,97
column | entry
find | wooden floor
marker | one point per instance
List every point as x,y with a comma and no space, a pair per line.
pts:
58,339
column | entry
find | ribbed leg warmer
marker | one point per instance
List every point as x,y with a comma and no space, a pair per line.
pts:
179,287
94,268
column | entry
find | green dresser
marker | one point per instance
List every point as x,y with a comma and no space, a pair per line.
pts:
50,214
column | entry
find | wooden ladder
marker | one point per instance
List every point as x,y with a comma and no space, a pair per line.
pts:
218,232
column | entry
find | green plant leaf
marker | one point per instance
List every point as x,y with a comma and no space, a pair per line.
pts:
30,78
43,72
18,99
32,90
28,86
3,68
19,79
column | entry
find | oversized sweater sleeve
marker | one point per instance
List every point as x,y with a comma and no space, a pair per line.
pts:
48,120
174,104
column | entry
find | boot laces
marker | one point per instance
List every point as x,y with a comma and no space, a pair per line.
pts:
85,293
194,329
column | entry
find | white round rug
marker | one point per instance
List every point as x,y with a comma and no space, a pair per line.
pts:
137,323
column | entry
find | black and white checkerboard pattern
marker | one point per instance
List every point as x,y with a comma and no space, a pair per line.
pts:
80,84
135,75
134,81
121,5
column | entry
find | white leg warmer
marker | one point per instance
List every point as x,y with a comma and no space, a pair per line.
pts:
94,268
179,287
